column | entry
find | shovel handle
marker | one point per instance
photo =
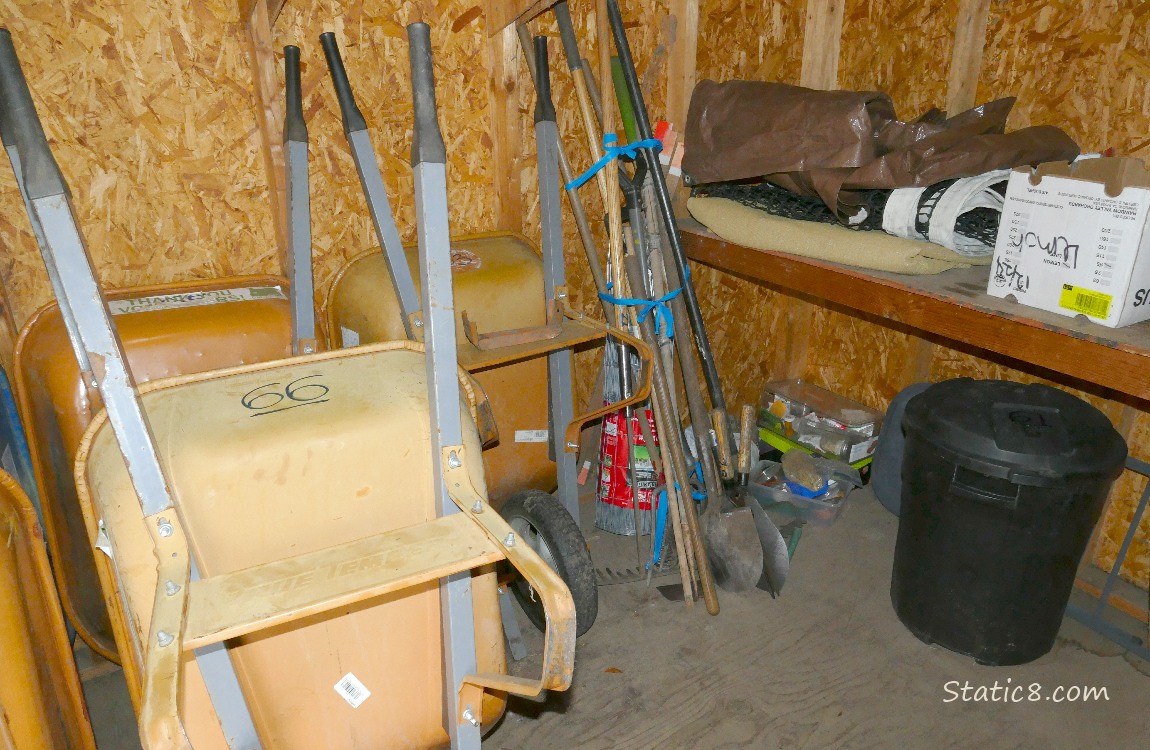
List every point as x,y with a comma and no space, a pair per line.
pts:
567,35
723,443
20,127
427,142
746,441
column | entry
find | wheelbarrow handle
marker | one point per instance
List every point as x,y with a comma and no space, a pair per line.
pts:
427,141
20,127
295,128
352,118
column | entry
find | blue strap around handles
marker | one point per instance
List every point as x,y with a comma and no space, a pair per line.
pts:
663,315
613,152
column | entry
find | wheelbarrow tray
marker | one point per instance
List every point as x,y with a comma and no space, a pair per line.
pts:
274,467
504,291
167,330
41,705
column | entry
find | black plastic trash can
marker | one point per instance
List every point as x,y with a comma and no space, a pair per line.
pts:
1002,484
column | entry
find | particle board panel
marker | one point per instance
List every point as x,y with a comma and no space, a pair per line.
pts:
748,326
1077,64
151,114
857,358
900,47
741,39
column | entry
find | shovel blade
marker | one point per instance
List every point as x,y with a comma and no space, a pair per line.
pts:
776,557
733,549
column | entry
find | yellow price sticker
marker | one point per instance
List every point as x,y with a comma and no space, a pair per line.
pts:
1086,301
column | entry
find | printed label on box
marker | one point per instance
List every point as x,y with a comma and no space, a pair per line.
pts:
531,436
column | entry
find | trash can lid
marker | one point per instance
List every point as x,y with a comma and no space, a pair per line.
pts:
1030,434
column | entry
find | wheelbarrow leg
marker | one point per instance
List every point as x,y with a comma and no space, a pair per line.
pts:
560,402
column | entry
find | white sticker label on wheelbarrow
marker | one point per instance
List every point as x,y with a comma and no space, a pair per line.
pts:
352,690
531,436
193,299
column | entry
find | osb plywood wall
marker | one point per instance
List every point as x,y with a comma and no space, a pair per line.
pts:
1082,66
149,108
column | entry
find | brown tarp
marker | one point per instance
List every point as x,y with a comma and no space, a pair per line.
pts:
828,143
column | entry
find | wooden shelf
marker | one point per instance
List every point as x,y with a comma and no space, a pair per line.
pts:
953,305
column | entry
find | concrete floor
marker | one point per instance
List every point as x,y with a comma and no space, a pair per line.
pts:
827,665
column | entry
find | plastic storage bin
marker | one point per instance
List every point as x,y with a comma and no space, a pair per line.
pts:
822,422
1002,484
820,510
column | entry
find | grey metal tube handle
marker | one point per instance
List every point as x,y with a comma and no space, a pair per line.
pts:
295,129
427,142
544,107
20,126
352,118
567,35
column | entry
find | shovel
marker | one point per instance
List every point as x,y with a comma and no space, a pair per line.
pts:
744,547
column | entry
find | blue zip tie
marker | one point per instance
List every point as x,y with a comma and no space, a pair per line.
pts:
611,153
663,314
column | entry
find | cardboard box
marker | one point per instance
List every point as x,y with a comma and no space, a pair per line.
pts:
1073,240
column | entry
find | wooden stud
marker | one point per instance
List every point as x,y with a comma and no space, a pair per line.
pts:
269,110
501,13
921,359
681,62
966,57
822,38
800,316
681,72
507,126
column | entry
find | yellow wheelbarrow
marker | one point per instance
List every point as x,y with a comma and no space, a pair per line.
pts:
298,554
41,705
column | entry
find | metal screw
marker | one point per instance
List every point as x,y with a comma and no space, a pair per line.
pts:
453,460
164,527
478,507
509,541
171,588
417,322
164,638
469,716
561,295
573,446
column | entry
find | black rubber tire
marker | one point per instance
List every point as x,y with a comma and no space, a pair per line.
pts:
541,514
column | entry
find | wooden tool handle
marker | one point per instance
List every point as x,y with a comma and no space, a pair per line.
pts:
747,440
723,441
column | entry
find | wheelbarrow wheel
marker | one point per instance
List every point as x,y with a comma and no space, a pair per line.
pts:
543,523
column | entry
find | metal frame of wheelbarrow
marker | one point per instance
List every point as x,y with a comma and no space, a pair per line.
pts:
565,327
197,614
